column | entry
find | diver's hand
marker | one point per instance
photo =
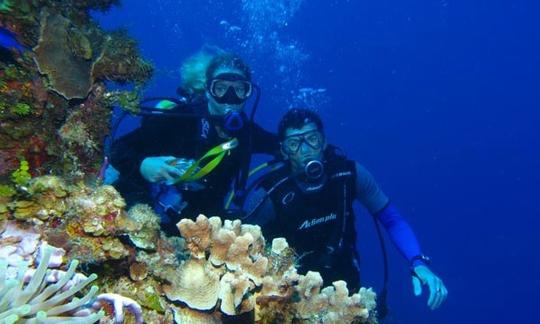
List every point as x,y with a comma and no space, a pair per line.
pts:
437,291
157,168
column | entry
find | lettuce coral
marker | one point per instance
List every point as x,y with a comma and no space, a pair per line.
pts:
21,109
21,176
7,191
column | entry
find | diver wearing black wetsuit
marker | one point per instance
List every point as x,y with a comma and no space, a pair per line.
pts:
309,201
188,138
319,224
142,156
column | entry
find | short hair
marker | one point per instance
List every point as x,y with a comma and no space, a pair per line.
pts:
297,118
229,60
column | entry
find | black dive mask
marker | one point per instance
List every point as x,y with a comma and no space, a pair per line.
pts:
229,88
229,97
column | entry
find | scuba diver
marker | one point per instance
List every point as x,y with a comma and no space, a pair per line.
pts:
309,201
186,154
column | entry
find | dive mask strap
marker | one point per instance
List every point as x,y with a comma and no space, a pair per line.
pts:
217,153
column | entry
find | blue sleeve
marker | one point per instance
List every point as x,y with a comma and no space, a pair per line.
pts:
401,234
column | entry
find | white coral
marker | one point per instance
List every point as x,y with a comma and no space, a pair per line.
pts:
120,302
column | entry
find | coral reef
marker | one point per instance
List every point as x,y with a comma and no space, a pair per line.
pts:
85,221
229,271
54,116
302,298
39,292
21,109
73,80
119,61
21,176
41,300
146,235
218,269
53,112
127,100
120,302
226,265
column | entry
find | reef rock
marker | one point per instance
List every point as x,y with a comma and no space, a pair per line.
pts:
146,235
68,71
119,61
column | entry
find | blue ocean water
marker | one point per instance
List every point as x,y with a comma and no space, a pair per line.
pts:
438,99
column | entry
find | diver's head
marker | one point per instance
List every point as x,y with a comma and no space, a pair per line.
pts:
303,142
228,84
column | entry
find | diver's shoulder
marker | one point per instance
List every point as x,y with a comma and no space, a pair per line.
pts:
276,175
335,153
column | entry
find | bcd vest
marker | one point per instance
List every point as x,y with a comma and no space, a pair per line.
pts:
319,225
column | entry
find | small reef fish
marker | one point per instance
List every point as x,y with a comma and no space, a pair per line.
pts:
8,40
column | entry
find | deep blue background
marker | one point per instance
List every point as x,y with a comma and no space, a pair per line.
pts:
440,101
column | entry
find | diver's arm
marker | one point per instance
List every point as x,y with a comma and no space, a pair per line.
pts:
157,140
159,168
127,154
402,236
126,158
378,204
264,141
405,240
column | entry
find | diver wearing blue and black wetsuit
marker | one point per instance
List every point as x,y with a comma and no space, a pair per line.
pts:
309,201
300,216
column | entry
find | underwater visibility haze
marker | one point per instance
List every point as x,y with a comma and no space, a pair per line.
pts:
439,99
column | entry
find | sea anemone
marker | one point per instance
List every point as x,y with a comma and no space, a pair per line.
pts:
32,296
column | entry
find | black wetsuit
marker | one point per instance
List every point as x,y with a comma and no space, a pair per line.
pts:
318,225
185,138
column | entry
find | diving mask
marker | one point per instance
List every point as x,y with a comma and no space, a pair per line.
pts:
313,139
230,88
